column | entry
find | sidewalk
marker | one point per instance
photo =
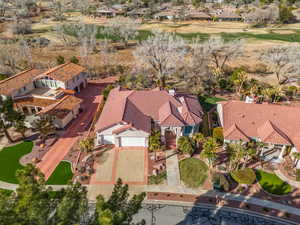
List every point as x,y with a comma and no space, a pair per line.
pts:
13,187
227,196
289,181
173,174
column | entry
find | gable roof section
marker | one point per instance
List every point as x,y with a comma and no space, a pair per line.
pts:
64,72
269,133
62,108
169,115
18,81
235,133
269,122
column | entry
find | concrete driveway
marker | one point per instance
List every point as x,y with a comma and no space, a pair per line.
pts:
131,165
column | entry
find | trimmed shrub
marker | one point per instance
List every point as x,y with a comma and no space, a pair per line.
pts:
220,180
297,174
218,134
244,176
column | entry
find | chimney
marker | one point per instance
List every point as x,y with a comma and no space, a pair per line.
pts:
172,92
249,99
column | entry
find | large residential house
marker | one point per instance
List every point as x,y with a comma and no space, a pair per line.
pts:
275,125
129,116
52,91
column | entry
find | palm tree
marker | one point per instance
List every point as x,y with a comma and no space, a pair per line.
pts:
198,138
87,144
8,116
209,152
45,126
186,145
21,128
239,81
155,142
296,156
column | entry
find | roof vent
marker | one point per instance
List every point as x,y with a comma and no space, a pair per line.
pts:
172,92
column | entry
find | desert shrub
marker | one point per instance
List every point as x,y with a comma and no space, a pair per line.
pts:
22,27
74,59
60,60
244,176
158,179
220,180
106,91
218,134
297,174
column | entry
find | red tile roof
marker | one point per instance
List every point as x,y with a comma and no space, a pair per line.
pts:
18,81
235,133
139,107
272,123
64,72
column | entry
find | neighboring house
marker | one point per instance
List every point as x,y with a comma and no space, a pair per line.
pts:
34,91
128,117
277,126
226,14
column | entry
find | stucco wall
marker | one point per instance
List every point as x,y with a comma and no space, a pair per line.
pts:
220,113
52,84
76,81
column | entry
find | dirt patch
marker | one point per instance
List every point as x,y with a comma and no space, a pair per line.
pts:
283,31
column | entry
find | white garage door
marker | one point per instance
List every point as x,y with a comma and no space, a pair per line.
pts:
133,141
108,139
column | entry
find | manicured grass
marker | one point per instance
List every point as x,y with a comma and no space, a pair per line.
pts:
9,161
208,102
272,183
193,172
61,175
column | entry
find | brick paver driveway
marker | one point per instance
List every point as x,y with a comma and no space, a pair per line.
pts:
91,99
131,165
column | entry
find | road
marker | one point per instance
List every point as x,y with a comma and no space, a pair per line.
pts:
201,215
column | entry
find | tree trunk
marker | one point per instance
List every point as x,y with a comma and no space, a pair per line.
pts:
10,140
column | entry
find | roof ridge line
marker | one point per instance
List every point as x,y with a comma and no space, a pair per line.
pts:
18,74
56,68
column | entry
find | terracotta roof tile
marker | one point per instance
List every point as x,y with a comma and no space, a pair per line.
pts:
252,119
235,133
138,107
18,81
62,108
31,101
64,72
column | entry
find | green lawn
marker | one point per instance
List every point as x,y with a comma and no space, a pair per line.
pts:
61,175
272,183
208,102
9,161
193,172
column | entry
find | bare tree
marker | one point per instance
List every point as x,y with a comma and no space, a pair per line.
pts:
82,5
162,53
267,15
61,34
58,9
219,52
3,7
21,26
283,61
124,28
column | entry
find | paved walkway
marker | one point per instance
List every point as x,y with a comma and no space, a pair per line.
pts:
91,99
173,174
13,187
289,181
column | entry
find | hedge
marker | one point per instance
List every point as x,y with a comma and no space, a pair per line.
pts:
297,174
244,176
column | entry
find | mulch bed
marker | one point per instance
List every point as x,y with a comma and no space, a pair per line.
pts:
229,203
